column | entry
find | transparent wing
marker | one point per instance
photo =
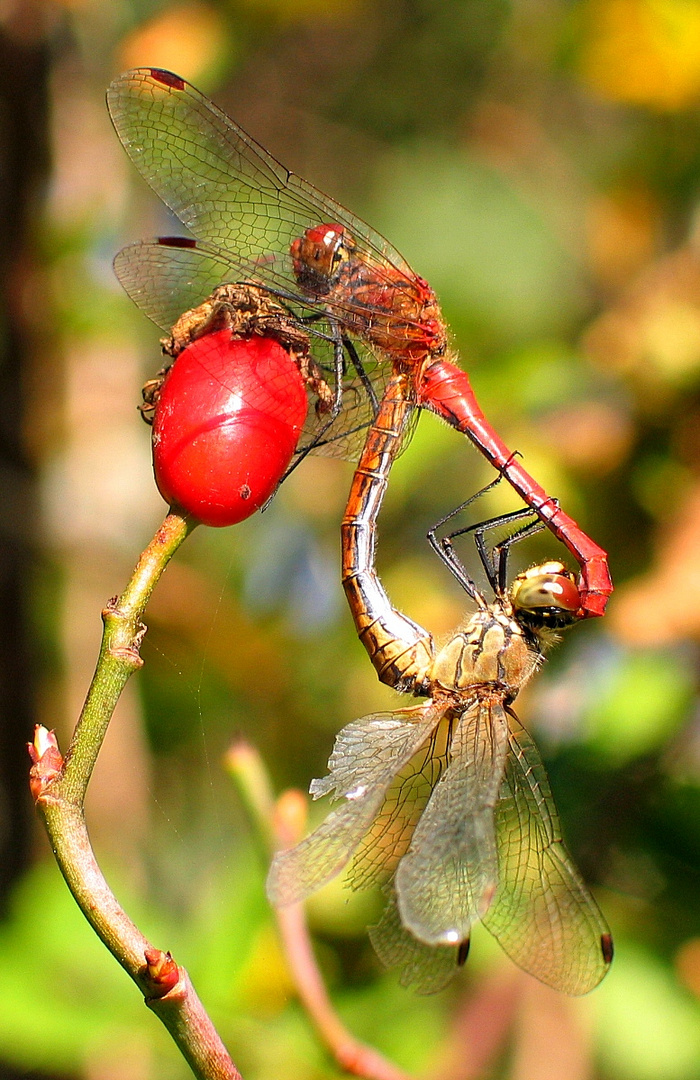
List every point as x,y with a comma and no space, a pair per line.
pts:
367,755
168,276
542,914
221,184
448,878
171,274
389,836
345,437
425,968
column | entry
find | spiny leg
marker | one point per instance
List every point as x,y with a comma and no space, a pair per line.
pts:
495,562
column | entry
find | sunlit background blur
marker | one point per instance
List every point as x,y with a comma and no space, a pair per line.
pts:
539,163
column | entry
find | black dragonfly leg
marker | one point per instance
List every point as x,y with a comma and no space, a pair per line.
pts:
339,367
495,562
444,548
348,348
361,374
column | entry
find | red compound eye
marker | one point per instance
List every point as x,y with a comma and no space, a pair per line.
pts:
226,426
546,595
565,594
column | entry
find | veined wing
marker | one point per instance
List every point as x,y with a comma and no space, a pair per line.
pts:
425,968
542,915
389,837
222,184
171,274
367,755
449,876
168,276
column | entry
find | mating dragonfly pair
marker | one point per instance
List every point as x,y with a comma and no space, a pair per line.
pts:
446,805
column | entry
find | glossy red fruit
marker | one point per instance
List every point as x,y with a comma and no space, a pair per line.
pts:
226,426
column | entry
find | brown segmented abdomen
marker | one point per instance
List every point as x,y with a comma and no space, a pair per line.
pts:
402,651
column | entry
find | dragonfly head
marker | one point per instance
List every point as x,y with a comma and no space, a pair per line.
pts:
546,597
318,256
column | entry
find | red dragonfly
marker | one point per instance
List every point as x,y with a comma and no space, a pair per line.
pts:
446,805
369,313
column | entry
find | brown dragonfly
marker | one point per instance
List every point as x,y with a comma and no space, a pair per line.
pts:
446,804
256,223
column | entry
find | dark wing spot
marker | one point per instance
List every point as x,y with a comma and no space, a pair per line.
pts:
463,952
177,241
606,947
167,78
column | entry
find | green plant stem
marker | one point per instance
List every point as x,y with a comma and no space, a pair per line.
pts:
60,794
119,655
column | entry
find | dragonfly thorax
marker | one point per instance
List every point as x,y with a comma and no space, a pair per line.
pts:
493,649
397,312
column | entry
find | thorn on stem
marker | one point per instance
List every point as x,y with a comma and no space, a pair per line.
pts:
47,761
128,654
161,972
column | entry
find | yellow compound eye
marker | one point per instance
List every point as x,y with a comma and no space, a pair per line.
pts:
546,596
340,255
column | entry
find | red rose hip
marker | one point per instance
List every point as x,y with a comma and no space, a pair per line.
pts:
226,425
